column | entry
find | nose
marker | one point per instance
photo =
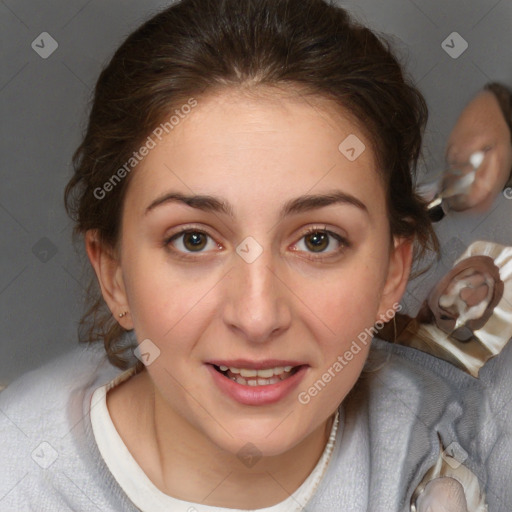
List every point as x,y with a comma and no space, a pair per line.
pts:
257,300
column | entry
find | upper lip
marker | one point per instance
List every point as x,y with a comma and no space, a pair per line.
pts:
254,365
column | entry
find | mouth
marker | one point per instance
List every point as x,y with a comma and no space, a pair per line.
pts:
257,383
257,377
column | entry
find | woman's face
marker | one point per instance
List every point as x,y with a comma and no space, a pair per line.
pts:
246,287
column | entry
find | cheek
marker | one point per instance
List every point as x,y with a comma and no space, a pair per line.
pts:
349,299
340,314
165,299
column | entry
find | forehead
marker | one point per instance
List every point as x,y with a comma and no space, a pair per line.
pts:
271,143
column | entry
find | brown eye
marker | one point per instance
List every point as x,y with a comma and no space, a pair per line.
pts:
321,241
194,241
318,241
191,241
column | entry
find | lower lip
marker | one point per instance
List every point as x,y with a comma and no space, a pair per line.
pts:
257,395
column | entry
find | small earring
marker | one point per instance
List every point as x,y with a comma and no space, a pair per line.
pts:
124,313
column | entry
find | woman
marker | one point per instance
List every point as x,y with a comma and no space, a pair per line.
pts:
245,194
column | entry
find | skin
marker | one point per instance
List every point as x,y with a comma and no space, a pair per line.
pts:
257,151
481,126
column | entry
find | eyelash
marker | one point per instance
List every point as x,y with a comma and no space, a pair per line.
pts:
344,243
185,256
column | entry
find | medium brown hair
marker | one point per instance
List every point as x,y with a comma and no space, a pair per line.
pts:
200,46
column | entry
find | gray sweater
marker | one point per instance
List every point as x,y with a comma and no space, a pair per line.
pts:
392,423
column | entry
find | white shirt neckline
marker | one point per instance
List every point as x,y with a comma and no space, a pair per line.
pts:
141,490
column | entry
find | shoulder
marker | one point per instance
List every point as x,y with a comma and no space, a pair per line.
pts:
403,404
43,424
417,368
434,410
50,387
428,399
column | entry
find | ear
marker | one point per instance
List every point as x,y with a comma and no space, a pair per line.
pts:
399,269
110,277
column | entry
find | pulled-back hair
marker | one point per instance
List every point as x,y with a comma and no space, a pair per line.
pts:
196,47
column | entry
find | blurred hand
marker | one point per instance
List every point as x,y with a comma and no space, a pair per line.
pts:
481,127
442,495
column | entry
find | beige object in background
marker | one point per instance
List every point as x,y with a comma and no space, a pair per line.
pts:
484,333
448,486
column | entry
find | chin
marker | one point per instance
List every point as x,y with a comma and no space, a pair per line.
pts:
260,439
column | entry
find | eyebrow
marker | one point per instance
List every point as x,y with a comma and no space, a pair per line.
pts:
312,202
201,202
300,204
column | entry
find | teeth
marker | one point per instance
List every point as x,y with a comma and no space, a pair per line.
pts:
266,373
247,373
252,377
266,382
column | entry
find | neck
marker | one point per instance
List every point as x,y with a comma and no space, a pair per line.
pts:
185,464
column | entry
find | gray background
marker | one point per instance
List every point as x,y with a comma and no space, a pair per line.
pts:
43,106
